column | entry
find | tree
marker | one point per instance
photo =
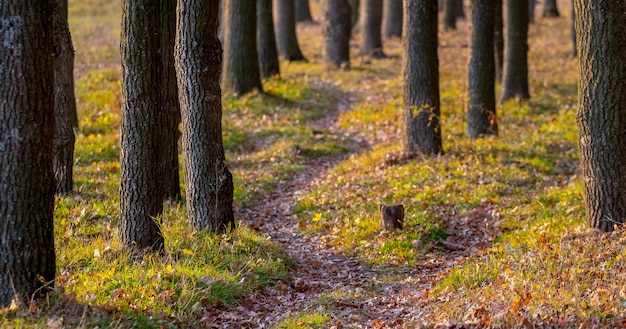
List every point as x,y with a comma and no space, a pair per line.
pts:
198,55
449,20
601,117
141,191
421,78
498,40
573,31
286,38
241,59
336,29
531,10
392,19
516,60
354,13
460,11
550,9
266,40
27,259
303,11
481,118
371,23
66,119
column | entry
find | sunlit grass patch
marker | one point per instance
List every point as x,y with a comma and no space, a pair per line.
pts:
304,321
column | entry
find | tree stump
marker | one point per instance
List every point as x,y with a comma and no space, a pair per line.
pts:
391,217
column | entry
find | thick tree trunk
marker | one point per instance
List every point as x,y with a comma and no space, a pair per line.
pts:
336,29
171,107
266,40
516,65
602,109
421,78
354,12
241,59
141,191
550,9
64,101
371,23
449,21
198,54
482,118
286,38
27,259
303,11
573,31
392,19
498,40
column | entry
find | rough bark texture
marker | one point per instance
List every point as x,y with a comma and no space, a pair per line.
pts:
601,118
421,78
498,39
66,118
482,118
266,40
141,191
27,260
241,59
573,31
198,54
354,14
516,60
171,107
286,38
371,23
392,19
303,11
550,9
336,29
449,21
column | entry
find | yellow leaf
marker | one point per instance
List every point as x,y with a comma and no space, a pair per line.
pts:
187,252
317,217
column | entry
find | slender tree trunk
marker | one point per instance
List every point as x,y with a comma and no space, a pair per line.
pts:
198,54
392,19
371,23
286,38
303,11
550,9
266,40
482,118
531,10
336,29
460,11
241,59
516,65
141,191
498,40
421,78
64,101
354,14
573,31
449,20
602,109
27,259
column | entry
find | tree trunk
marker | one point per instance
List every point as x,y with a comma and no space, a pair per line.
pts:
286,38
391,217
27,259
392,19
336,29
573,31
460,10
198,55
241,59
550,9
354,12
516,65
482,118
64,101
141,191
602,109
421,78
371,23
531,10
303,11
449,21
498,40
171,107
266,40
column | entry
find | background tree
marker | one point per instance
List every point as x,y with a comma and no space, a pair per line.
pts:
266,40
198,55
141,191
286,38
573,30
241,59
516,60
392,19
336,29
371,16
421,78
602,109
303,11
66,118
531,10
460,10
498,39
449,21
354,12
550,9
27,259
481,118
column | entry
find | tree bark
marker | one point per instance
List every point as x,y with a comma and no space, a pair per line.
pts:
573,31
460,10
336,30
392,19
601,114
241,59
198,54
266,40
550,9
421,78
516,62
482,118
141,191
371,23
498,40
531,10
391,217
286,38
27,259
303,11
66,118
354,14
449,21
